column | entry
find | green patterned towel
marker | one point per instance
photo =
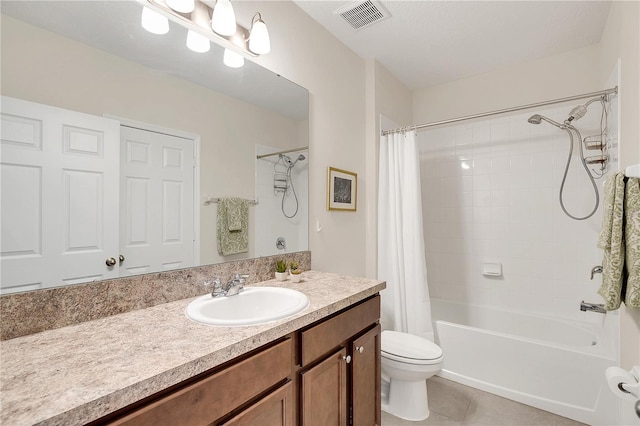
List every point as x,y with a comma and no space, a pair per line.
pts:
620,240
612,242
632,240
235,208
232,226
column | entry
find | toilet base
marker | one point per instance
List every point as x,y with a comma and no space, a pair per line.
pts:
407,400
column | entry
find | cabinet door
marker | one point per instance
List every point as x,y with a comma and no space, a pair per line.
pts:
323,396
276,409
365,389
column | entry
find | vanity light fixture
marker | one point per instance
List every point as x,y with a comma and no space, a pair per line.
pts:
259,41
182,6
154,22
223,20
197,42
232,59
209,21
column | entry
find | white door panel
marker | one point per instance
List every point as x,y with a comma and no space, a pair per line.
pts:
157,231
59,196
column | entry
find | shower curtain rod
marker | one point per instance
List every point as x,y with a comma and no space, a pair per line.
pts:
282,152
613,90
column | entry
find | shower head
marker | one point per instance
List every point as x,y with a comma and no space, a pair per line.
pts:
300,158
537,119
577,113
287,160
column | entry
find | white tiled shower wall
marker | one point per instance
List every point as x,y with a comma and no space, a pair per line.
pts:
490,194
270,221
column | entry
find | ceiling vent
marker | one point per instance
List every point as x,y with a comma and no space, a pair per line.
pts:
361,14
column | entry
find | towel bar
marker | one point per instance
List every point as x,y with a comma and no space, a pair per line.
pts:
210,200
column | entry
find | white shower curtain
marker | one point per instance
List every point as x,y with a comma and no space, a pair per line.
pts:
401,254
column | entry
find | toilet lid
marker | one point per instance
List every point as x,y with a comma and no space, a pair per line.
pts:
404,345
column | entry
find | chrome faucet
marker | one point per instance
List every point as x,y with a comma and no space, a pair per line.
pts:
596,270
234,286
593,307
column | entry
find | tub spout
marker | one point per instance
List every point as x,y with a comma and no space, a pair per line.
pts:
593,307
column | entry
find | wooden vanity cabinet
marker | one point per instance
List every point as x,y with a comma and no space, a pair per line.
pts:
325,374
343,387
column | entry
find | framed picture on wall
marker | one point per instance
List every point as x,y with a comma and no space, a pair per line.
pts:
342,190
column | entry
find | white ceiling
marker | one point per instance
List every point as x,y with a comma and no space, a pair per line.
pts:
426,43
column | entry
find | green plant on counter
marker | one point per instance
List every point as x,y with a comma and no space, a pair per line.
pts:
281,265
293,265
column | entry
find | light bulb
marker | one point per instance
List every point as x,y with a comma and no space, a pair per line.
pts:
182,6
232,59
223,20
197,42
153,22
259,39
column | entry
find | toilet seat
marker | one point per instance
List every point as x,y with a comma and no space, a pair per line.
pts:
410,349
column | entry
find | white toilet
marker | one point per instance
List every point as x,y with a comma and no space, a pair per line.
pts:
407,362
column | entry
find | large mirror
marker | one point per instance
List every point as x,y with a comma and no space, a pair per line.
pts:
91,60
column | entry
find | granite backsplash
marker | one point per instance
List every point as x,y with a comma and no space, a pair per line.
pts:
40,310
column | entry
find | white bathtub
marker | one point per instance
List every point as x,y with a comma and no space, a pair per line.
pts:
554,365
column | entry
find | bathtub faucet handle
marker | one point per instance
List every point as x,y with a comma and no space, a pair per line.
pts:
596,270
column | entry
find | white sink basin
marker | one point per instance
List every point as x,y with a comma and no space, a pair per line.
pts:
253,305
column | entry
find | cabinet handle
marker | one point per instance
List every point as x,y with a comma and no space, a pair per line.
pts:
110,261
347,358
121,258
360,349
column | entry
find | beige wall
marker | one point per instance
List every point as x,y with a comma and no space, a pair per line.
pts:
43,67
621,39
554,77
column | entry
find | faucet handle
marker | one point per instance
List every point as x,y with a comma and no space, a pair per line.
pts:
596,270
241,278
215,286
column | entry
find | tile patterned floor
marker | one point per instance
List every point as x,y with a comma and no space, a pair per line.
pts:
453,404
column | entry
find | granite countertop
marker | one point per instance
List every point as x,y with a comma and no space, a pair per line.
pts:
79,373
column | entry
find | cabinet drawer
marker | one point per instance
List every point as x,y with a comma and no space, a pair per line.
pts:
322,338
275,409
211,398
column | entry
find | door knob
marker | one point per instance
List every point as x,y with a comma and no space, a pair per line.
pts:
347,358
121,258
110,261
360,349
